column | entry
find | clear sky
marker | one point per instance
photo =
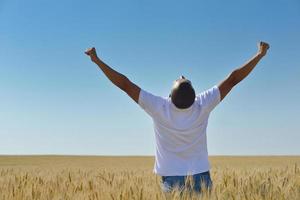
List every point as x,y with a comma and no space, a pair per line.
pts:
53,100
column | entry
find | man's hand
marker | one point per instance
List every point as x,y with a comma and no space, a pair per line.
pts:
263,48
92,53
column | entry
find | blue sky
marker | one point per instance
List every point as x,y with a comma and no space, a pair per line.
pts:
55,101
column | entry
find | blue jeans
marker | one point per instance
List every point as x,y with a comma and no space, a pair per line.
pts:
171,182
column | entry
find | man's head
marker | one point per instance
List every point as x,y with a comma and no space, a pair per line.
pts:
183,93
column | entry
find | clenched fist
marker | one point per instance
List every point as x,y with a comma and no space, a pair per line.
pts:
92,53
263,48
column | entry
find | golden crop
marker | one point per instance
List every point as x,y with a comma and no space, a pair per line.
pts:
96,177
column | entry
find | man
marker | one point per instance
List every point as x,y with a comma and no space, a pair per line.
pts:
180,122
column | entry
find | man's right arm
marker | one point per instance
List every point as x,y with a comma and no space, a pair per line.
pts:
239,74
118,79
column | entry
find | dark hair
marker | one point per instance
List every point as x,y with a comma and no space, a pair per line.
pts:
183,94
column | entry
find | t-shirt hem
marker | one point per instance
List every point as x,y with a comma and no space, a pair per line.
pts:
180,173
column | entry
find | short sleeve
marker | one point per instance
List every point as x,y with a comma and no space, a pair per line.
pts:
210,98
150,103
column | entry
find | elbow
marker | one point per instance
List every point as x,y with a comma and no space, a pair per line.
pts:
233,78
124,82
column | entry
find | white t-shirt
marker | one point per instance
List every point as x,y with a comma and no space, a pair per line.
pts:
180,134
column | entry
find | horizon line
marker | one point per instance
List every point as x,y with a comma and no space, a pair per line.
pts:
147,155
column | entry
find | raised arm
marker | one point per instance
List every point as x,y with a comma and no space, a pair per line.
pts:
115,77
239,74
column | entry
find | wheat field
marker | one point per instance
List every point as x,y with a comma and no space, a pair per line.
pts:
100,177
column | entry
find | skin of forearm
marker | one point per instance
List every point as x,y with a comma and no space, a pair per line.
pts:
115,77
242,72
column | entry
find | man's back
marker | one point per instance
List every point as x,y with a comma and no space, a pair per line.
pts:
180,134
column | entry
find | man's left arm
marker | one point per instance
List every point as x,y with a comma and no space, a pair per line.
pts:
239,74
